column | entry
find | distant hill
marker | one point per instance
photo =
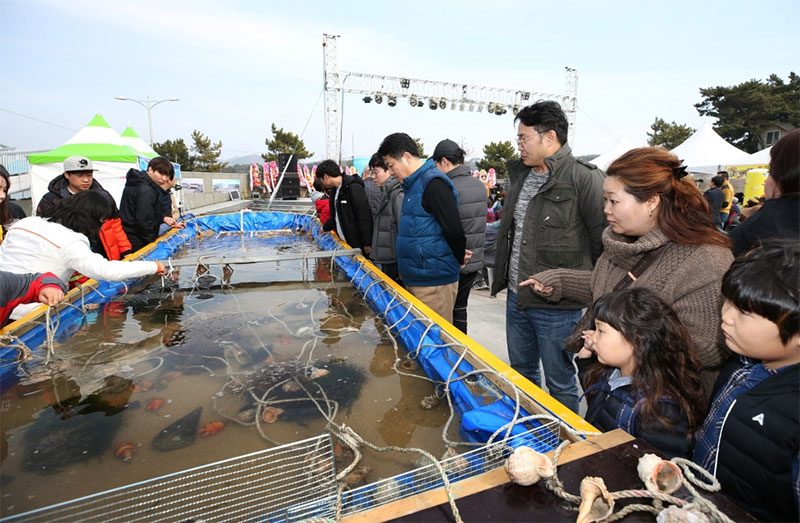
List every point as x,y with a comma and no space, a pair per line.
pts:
246,159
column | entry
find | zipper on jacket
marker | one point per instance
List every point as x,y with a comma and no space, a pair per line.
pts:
719,441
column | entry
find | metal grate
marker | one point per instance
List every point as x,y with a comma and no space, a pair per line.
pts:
543,438
268,481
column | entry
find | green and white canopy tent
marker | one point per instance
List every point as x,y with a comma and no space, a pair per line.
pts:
129,137
98,142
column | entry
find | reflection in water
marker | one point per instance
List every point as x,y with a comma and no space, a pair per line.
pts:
262,353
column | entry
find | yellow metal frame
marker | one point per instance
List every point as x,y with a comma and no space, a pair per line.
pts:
493,362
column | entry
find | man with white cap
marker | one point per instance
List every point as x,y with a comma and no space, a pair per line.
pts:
78,176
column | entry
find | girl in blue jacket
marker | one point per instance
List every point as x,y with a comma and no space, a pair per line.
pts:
640,373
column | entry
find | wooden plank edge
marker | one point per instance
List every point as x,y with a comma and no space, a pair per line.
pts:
481,482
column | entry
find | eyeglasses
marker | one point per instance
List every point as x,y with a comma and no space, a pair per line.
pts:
521,141
82,174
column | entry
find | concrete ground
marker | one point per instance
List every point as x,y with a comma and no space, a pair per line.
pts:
486,324
486,321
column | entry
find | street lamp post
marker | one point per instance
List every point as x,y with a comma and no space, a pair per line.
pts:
148,104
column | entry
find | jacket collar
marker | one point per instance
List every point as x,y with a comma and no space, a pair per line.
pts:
552,162
461,170
415,176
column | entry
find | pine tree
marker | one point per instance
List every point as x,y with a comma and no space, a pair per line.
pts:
284,142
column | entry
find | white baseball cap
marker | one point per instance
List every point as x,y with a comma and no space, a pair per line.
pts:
78,163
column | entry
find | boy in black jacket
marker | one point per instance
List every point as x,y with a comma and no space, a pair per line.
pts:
351,216
749,440
140,208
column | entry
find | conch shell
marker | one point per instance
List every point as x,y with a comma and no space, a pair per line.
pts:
659,475
526,466
596,502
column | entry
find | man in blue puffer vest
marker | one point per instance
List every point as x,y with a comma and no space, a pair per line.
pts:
430,245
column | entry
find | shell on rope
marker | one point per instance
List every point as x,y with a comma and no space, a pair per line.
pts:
596,502
526,466
659,475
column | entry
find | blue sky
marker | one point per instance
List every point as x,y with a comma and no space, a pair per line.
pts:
239,66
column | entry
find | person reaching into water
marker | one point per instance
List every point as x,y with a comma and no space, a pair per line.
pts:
60,244
16,289
640,372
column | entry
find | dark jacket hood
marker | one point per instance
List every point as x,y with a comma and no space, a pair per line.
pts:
59,184
347,180
136,178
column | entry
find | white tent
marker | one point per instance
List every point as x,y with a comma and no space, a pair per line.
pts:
761,157
621,147
129,137
98,142
707,152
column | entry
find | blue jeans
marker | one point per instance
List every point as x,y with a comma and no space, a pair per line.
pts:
534,335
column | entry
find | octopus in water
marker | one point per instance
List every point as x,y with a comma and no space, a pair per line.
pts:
429,402
155,404
124,451
211,428
409,364
270,414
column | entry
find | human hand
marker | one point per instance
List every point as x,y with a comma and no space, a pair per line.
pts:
51,295
538,286
172,222
588,344
367,250
161,269
467,256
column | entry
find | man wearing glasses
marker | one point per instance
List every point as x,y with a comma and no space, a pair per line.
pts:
78,176
552,218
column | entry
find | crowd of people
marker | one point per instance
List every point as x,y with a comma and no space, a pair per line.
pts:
627,284
79,233
623,285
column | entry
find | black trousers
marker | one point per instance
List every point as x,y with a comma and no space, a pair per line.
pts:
465,282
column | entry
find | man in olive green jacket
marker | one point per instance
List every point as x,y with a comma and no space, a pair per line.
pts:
552,218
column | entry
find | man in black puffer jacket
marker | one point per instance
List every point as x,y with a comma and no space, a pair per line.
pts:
78,176
351,216
140,208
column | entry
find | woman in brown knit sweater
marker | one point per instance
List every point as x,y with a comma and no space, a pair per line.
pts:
652,208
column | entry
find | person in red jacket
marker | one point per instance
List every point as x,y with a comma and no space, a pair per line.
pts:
321,201
16,289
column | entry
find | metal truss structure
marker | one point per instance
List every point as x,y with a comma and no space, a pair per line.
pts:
420,93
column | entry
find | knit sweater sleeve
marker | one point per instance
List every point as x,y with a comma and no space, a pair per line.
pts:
567,283
698,301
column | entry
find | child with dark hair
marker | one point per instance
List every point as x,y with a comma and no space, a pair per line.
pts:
645,378
321,201
749,440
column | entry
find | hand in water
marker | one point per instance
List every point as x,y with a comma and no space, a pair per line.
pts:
161,269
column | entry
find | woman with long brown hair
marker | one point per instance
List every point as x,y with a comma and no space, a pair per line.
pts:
660,236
